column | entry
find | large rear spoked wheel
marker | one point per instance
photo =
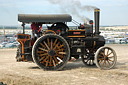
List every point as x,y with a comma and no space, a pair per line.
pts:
51,52
105,58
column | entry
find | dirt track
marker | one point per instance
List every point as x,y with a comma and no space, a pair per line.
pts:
24,73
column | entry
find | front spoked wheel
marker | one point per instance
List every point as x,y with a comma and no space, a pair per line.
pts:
88,58
105,58
51,52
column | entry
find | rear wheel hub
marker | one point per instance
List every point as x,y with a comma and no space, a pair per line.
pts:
51,52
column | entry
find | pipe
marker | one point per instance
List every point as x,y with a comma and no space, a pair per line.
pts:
97,20
91,24
23,25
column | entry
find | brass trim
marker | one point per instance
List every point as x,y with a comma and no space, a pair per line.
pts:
94,44
77,36
97,10
22,44
75,30
49,31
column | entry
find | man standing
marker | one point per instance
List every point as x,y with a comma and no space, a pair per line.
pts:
35,29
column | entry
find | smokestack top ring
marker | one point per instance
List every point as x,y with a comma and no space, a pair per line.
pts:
97,10
97,20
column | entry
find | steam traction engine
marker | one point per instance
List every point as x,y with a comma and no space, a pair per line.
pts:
56,45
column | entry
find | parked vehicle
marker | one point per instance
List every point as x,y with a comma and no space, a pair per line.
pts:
9,45
3,44
16,43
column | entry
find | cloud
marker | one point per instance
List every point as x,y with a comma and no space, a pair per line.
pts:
8,5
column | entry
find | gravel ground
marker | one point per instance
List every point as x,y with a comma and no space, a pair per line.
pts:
74,73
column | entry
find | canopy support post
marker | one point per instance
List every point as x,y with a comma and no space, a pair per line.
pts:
23,25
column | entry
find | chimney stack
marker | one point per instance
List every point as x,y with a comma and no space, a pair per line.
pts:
97,20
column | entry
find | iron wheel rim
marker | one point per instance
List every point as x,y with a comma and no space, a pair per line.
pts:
105,58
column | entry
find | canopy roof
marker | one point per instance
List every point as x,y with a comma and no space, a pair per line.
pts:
29,18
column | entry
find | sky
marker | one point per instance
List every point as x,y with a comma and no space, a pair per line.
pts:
113,12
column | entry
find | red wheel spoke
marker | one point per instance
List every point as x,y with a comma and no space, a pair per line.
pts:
45,54
56,45
64,53
54,42
50,62
48,42
60,46
61,56
40,51
101,58
103,54
42,58
47,62
55,60
59,50
43,49
103,63
45,59
51,44
109,63
100,61
111,57
107,52
54,63
46,45
42,45
110,60
110,53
